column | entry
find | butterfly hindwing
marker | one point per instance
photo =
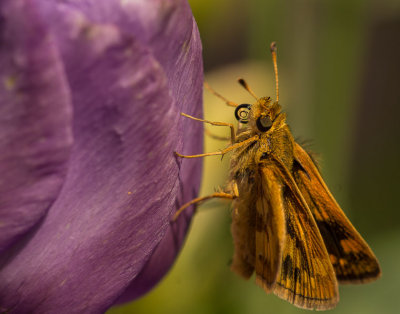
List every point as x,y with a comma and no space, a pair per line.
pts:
306,276
243,232
350,255
270,230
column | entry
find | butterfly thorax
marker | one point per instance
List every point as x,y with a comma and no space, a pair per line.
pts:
265,120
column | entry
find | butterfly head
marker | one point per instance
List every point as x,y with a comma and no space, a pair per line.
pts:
259,116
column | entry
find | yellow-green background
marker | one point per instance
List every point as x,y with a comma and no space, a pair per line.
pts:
339,65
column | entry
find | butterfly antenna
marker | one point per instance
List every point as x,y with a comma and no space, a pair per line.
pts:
273,52
228,102
247,87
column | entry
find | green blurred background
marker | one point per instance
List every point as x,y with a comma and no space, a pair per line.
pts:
339,67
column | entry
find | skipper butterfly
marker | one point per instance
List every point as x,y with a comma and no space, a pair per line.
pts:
286,225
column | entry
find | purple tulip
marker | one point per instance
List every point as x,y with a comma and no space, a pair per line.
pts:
90,98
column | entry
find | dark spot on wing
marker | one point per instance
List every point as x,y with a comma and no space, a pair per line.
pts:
261,224
287,267
332,233
298,167
290,229
297,275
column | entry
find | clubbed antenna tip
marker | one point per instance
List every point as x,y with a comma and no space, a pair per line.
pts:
273,46
247,87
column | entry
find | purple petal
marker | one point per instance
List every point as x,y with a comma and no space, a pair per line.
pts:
35,121
109,230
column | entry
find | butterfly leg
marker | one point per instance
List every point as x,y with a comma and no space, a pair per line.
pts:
202,199
233,136
224,151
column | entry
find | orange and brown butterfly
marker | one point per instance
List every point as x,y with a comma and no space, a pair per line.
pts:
286,225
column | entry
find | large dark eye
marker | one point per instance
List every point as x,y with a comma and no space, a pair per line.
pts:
242,113
264,123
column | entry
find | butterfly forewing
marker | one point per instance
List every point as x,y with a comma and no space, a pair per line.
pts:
350,255
306,276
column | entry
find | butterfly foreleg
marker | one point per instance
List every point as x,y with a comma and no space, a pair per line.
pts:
233,136
223,151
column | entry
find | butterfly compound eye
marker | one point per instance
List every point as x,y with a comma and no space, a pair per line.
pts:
264,123
242,113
